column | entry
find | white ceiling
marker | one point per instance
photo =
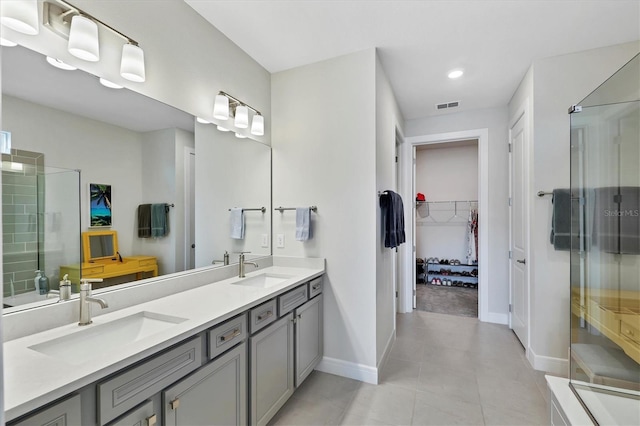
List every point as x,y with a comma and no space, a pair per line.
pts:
419,41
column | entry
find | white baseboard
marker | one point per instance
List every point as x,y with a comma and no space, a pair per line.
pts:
496,318
363,373
556,366
387,350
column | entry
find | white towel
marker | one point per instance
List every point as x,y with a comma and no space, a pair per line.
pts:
237,223
303,223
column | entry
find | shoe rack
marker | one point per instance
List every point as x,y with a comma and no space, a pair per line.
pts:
452,275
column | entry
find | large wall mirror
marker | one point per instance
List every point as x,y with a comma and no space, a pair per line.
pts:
70,131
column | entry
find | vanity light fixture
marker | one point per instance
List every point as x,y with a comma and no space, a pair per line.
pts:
109,84
59,64
7,43
82,30
20,15
226,106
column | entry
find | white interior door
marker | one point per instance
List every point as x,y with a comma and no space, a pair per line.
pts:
519,286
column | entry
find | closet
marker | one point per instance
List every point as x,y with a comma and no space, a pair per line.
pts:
447,227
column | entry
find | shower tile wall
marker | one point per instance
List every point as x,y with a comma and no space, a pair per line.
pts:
21,196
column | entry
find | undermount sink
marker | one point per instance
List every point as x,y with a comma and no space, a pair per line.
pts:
81,346
263,280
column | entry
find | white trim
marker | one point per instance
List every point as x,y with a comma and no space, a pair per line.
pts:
482,135
387,350
497,318
351,370
555,366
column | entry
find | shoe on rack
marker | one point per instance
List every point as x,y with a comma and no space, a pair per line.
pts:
433,281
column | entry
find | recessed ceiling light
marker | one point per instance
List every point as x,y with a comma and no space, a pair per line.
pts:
109,84
453,74
59,64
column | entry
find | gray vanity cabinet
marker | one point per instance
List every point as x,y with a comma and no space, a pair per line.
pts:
216,394
309,337
63,413
271,374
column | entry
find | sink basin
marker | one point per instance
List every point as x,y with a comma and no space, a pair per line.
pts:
263,280
93,340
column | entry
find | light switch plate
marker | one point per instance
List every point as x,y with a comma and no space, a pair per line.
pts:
280,240
265,240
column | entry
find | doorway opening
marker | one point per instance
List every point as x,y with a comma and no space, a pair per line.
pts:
446,227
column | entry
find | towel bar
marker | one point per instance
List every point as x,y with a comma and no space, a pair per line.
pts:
281,209
543,193
262,209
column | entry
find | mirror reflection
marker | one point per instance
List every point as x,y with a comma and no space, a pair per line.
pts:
147,153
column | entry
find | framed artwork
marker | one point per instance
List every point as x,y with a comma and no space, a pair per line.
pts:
100,205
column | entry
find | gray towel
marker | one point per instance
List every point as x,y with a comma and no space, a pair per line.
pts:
561,219
144,221
618,219
159,220
303,224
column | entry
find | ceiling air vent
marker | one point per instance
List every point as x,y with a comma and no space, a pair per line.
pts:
448,105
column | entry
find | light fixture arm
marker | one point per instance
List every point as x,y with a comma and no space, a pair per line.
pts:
73,9
237,101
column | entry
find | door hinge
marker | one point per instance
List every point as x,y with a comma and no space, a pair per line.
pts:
396,294
510,202
509,146
509,307
510,254
396,158
575,108
414,249
414,291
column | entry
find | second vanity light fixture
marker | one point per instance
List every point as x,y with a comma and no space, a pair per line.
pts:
82,31
227,106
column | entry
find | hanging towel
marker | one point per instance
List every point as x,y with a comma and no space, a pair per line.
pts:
618,219
237,223
392,219
561,220
303,224
144,221
159,220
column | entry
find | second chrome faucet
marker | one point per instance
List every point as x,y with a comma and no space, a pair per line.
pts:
241,264
86,299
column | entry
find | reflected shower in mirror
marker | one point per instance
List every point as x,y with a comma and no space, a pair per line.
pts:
147,152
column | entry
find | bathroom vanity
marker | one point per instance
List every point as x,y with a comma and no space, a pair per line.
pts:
228,352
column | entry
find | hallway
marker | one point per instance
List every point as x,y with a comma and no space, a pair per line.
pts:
442,370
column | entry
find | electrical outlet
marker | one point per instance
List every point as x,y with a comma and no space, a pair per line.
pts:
265,240
280,240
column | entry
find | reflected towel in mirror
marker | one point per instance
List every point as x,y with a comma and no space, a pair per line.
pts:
237,223
159,220
144,221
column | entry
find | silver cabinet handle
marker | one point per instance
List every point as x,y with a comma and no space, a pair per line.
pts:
265,315
230,335
315,287
523,261
152,420
175,404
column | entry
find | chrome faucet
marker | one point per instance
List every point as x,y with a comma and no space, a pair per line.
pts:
241,264
85,299
64,291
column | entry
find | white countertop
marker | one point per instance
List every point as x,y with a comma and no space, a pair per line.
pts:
32,379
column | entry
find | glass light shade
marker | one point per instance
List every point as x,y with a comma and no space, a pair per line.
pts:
202,120
83,39
20,15
109,84
221,107
242,117
257,125
59,64
223,129
240,136
132,64
7,43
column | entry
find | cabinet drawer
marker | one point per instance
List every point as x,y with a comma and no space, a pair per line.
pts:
143,415
121,393
93,270
629,331
147,262
66,412
262,315
227,335
292,299
315,287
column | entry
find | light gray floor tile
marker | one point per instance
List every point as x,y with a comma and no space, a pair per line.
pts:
442,370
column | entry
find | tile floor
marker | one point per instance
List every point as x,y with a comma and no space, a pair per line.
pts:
442,370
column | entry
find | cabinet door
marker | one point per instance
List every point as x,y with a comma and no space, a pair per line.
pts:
271,369
143,415
309,337
216,394
65,413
